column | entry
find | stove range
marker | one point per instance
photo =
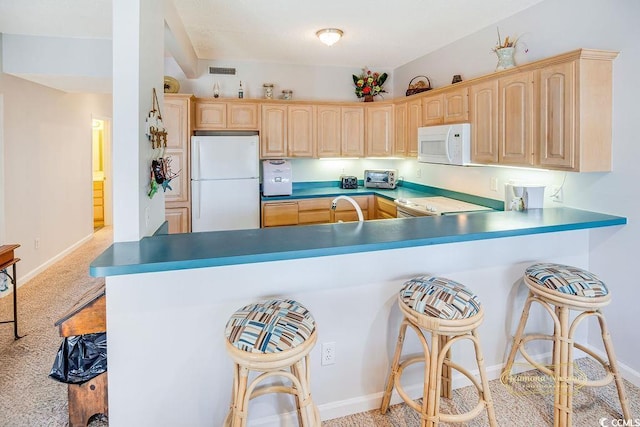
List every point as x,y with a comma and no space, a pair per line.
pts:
432,206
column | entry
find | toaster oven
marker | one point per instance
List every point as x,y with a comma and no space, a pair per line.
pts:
380,178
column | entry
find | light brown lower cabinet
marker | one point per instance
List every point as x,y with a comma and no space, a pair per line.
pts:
313,211
384,208
177,219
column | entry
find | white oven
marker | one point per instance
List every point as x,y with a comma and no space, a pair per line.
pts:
433,206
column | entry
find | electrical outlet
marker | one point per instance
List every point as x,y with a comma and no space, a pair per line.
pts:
494,184
418,173
36,243
556,194
328,353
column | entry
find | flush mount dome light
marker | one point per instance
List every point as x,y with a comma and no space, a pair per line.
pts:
329,36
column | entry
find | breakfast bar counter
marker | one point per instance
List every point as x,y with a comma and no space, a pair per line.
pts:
213,249
170,296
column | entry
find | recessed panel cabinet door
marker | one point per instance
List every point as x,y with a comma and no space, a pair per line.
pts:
414,121
380,131
456,106
516,119
557,116
400,131
433,110
301,133
329,127
353,131
484,122
273,132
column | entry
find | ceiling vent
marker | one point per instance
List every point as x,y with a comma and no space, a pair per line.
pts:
222,70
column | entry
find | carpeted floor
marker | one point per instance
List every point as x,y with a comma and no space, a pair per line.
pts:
28,397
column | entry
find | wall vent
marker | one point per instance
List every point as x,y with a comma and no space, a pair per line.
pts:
222,70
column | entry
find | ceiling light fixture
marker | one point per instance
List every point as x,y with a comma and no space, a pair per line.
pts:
329,36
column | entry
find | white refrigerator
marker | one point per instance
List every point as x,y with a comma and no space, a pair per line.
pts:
225,187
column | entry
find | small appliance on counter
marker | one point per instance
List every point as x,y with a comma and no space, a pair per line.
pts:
518,197
350,182
380,178
276,178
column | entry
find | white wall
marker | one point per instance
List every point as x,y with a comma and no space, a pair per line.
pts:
306,82
550,28
138,37
47,170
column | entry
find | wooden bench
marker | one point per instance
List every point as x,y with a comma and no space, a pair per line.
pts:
88,316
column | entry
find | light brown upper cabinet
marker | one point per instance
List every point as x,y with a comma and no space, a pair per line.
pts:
380,130
300,131
483,108
287,131
221,115
554,113
516,119
352,140
408,118
339,131
574,108
456,105
329,130
433,110
400,129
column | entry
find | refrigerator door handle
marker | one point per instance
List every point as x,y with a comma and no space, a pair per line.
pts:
195,203
195,159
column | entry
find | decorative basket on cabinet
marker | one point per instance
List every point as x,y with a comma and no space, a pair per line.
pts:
419,86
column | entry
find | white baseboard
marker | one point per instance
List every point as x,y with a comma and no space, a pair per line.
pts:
33,273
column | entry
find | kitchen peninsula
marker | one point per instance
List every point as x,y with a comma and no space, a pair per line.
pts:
169,297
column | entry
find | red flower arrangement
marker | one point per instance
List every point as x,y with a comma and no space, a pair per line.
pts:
369,83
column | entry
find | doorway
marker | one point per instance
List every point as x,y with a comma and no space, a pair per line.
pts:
101,171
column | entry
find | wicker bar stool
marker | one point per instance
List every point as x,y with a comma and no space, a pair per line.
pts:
449,312
274,338
559,289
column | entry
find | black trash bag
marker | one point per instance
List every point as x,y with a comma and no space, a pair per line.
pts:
80,358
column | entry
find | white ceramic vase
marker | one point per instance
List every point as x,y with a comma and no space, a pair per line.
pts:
505,58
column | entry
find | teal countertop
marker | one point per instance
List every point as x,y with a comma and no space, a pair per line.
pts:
406,190
221,248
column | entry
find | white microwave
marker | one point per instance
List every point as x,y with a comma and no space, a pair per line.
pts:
445,144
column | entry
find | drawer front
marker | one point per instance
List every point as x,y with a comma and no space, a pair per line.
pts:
276,214
314,204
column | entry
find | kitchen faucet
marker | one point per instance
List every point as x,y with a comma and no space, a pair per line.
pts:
334,205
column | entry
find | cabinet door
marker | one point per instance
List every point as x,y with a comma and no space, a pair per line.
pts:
210,115
273,132
242,116
414,121
515,134
279,213
432,110
556,108
400,125
484,122
329,130
177,219
300,131
380,131
456,105
352,132
176,118
384,209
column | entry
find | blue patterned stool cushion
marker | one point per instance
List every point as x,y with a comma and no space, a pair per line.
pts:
566,279
439,297
270,326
